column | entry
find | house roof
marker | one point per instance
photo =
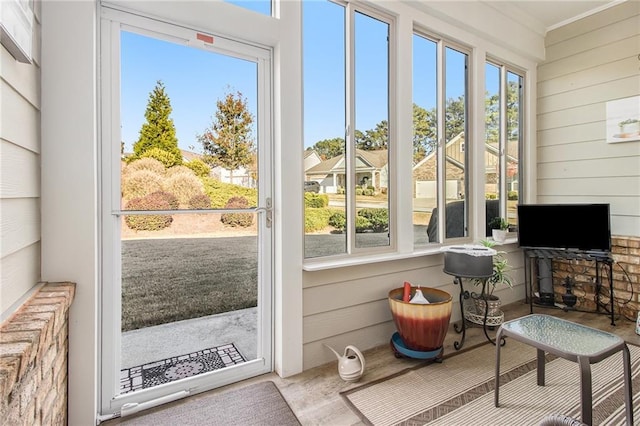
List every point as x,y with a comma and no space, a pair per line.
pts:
364,159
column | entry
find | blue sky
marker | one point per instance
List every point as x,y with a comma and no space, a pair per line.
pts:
195,79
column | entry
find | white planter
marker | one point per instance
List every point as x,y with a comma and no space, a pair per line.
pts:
630,129
499,235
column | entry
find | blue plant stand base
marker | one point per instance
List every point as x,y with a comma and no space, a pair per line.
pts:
400,349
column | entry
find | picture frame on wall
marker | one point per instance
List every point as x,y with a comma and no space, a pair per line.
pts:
623,120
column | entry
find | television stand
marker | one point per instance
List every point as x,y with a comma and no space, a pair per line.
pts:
547,299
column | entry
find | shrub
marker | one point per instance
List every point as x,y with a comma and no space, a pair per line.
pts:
150,164
512,195
140,183
177,170
155,201
338,220
237,219
362,224
200,201
184,186
171,199
378,218
199,167
220,192
311,199
491,196
166,158
316,219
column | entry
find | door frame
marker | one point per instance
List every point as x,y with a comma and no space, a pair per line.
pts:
111,403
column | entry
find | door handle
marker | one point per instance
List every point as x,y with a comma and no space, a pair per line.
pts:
268,210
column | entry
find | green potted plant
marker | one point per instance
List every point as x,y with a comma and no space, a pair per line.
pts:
499,228
500,276
630,127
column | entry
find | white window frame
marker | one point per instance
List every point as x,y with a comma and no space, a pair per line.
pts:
503,191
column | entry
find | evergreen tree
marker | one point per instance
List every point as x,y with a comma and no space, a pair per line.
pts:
329,148
159,131
228,141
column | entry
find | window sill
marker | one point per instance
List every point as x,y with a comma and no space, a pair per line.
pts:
325,264
321,265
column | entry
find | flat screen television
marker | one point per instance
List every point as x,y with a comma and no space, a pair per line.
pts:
584,227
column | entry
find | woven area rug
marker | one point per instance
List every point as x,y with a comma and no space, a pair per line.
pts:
179,367
459,391
256,404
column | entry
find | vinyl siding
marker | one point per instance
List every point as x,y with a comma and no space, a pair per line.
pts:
588,63
19,174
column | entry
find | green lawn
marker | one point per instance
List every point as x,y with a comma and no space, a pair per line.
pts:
166,280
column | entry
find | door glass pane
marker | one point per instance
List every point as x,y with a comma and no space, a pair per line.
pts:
371,183
260,6
455,144
492,143
324,129
425,137
189,281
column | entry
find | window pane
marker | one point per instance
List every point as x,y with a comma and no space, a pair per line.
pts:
492,142
455,152
176,134
514,120
371,181
425,137
324,124
260,6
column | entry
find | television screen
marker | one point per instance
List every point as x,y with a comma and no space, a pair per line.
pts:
564,226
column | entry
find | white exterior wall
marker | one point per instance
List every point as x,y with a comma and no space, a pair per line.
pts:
19,174
590,62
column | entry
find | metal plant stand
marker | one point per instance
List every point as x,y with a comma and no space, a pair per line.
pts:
461,265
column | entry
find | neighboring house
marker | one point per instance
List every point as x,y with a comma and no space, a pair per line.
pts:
239,176
189,156
311,158
371,170
424,172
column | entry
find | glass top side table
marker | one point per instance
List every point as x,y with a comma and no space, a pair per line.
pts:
571,341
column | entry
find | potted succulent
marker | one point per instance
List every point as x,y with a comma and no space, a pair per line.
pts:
490,302
499,229
630,127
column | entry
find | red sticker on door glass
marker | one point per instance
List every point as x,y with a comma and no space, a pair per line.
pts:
204,37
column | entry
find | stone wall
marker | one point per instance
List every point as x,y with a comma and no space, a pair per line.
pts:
33,359
626,279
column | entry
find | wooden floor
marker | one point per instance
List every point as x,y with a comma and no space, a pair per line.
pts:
314,394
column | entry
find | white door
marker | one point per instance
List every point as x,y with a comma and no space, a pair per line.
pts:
186,301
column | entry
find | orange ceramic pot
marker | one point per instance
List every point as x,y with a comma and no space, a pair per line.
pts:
422,327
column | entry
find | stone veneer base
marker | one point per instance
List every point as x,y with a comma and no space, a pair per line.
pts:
33,358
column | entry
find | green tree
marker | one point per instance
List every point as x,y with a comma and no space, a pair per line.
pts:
425,132
492,106
454,117
374,139
228,141
329,148
159,131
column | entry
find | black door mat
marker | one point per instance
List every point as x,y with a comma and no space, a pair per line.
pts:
178,367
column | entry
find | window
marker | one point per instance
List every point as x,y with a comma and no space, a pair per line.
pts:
439,155
503,139
261,6
346,127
